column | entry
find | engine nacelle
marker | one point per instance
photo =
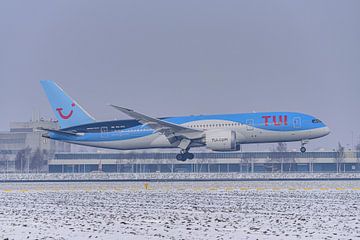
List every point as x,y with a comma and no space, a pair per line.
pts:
221,140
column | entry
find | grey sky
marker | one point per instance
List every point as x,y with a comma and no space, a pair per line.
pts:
168,58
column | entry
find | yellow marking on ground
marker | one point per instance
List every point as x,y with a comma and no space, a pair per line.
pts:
229,189
260,189
244,189
292,189
307,189
213,189
23,190
324,189
340,189
7,190
276,189
356,189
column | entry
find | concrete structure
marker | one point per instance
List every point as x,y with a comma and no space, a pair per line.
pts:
25,135
239,162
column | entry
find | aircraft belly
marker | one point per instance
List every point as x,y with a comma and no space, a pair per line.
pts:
263,136
151,141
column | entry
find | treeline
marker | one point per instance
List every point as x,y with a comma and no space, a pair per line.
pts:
31,161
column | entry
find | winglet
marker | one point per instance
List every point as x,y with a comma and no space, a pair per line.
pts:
122,109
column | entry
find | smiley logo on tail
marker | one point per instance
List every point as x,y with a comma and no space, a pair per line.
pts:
63,116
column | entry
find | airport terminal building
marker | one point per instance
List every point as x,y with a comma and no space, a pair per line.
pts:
25,137
207,162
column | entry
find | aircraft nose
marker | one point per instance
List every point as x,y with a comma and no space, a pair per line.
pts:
326,130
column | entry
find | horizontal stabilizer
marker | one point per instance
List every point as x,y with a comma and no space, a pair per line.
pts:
60,132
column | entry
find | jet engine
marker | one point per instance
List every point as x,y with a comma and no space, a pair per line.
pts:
221,140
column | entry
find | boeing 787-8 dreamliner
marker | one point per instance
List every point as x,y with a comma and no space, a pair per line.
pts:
223,132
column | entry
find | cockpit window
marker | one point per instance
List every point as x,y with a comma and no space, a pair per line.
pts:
316,120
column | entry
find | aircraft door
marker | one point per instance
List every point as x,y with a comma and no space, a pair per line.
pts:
297,122
103,131
250,124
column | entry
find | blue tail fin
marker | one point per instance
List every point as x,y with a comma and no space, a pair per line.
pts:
68,112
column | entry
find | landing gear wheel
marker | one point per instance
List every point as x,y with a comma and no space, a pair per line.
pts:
190,156
302,149
184,155
181,157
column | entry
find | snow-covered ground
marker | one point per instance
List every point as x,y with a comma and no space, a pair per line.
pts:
170,176
200,210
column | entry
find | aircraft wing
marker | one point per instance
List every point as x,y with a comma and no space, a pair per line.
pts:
167,128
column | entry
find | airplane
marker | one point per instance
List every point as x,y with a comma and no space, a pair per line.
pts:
223,132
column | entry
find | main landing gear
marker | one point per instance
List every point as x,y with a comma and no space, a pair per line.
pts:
184,155
303,148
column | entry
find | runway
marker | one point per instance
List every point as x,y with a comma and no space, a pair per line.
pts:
182,210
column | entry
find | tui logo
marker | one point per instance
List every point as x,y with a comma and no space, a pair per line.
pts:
64,116
275,120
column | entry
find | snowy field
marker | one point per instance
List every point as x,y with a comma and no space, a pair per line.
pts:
170,176
200,210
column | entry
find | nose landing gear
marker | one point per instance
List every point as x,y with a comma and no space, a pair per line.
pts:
303,148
